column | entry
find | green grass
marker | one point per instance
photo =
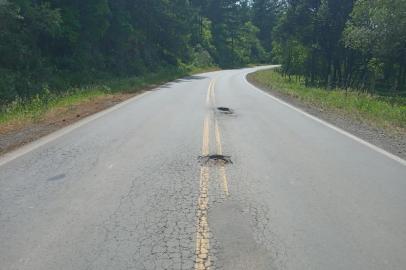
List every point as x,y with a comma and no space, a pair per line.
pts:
35,108
21,110
387,112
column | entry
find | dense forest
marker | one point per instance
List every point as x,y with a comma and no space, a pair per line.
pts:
359,44
51,45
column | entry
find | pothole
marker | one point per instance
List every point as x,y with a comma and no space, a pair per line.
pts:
225,110
215,160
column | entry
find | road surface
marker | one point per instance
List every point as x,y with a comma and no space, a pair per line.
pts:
125,189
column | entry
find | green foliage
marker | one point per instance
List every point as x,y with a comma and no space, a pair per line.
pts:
377,31
358,44
24,35
247,47
308,35
62,44
234,36
201,57
21,110
265,16
49,47
292,54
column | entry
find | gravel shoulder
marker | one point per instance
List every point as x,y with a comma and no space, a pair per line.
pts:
392,141
16,134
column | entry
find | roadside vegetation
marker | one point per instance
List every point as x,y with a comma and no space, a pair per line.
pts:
59,53
54,52
34,109
383,111
54,46
344,44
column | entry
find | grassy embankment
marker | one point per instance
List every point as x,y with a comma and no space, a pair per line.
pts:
35,109
380,111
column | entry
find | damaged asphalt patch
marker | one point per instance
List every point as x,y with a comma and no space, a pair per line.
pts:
225,110
215,160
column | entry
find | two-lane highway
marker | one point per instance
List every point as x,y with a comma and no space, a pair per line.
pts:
126,189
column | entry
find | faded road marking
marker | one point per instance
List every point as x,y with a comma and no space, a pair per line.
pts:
213,97
222,170
202,261
202,235
210,98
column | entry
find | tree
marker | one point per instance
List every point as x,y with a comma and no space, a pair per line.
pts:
265,15
314,28
26,32
377,30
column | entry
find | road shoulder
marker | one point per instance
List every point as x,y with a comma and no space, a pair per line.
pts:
17,134
393,142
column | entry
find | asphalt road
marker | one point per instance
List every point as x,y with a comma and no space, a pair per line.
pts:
125,189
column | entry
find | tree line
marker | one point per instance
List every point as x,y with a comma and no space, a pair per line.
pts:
57,44
348,44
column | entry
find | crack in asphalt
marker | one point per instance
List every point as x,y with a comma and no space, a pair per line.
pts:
159,235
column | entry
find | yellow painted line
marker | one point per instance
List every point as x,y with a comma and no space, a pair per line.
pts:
213,97
202,261
206,136
202,235
222,170
218,138
223,176
208,96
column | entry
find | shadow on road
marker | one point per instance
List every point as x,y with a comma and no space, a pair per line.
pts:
185,79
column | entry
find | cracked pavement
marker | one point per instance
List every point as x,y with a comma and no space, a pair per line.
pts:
127,191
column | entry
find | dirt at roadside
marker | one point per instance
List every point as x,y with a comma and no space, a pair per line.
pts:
393,141
16,134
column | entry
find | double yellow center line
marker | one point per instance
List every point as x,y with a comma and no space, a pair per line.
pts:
202,236
202,261
222,169
211,98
